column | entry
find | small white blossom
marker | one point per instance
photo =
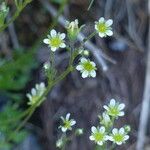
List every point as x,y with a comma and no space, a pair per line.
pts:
104,27
55,40
87,68
115,109
36,93
118,136
67,123
98,135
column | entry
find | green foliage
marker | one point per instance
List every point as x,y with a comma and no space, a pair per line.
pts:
15,73
57,1
7,116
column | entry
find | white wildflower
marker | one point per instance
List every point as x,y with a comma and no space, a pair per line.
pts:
118,136
104,27
55,40
98,135
36,93
67,123
114,109
87,68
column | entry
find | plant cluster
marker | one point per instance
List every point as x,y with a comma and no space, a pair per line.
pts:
102,134
105,135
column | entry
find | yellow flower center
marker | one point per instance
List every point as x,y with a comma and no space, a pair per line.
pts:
55,42
101,27
118,137
98,136
67,124
114,111
88,66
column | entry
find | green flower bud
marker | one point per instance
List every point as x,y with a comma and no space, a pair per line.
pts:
79,131
60,143
73,29
3,13
127,128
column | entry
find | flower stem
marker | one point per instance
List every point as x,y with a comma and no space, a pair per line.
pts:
89,37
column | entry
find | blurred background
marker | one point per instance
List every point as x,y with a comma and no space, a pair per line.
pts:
122,76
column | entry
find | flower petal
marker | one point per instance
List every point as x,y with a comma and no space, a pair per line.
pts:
53,49
121,113
83,60
92,138
112,102
121,131
73,122
79,67
93,73
64,129
93,63
96,28
115,131
106,107
100,143
109,22
93,129
85,74
101,34
118,143
62,45
101,20
110,138
68,116
102,129
62,36
53,33
121,106
126,137
109,32
33,91
46,41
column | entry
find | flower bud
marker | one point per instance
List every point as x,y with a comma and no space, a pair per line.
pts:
59,143
127,128
3,13
73,29
46,66
79,131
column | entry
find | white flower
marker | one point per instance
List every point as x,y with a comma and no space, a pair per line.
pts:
105,120
98,135
67,123
55,40
87,68
36,93
115,109
104,27
118,136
